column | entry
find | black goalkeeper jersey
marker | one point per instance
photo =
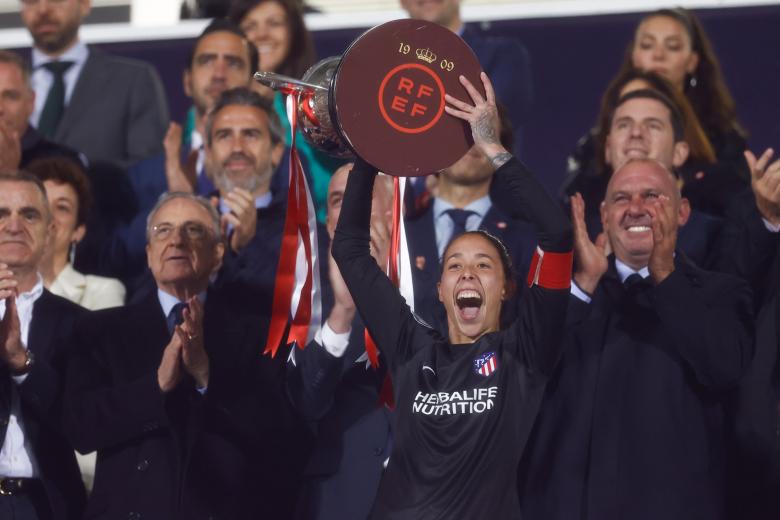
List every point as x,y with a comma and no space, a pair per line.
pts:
464,412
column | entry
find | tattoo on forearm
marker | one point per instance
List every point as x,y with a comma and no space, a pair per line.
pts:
484,128
500,159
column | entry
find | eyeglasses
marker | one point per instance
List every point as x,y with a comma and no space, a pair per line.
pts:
192,230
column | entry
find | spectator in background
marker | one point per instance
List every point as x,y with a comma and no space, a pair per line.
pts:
635,421
70,199
505,60
673,43
221,59
589,169
333,383
20,143
107,107
39,477
243,148
285,46
188,419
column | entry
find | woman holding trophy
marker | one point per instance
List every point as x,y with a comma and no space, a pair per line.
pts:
465,402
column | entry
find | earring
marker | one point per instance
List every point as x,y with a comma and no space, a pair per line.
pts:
72,253
692,82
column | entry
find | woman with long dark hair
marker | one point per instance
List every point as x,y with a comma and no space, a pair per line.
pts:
465,402
673,43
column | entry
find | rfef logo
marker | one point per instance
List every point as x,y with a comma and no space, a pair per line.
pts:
411,98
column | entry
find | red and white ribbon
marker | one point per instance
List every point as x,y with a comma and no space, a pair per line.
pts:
399,270
297,293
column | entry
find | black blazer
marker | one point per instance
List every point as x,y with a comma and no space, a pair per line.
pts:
41,404
182,455
635,420
518,237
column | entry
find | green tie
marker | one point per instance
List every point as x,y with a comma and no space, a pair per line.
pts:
55,100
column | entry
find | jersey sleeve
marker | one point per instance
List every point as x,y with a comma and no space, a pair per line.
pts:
381,307
538,331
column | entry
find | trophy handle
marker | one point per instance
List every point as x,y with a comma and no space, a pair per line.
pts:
282,82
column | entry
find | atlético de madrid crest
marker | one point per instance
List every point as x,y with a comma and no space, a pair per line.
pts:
486,364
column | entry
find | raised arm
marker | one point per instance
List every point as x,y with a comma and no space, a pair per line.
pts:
380,305
543,309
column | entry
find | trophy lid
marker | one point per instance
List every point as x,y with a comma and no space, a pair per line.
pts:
388,95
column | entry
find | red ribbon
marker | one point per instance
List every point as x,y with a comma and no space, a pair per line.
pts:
393,272
296,224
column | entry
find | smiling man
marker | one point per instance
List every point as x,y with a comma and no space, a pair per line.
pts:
172,391
243,148
39,478
635,423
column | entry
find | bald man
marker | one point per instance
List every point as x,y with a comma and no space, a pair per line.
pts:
635,421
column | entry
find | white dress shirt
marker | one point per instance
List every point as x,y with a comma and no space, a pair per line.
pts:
443,225
16,456
41,79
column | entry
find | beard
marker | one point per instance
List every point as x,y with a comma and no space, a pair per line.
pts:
226,181
53,43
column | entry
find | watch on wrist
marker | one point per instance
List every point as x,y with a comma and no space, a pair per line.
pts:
28,363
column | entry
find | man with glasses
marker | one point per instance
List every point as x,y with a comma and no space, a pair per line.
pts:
39,478
172,392
109,108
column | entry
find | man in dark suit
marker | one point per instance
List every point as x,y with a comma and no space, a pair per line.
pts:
464,202
634,423
505,60
333,384
188,419
107,107
39,477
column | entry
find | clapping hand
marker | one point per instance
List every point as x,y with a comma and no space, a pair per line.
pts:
765,182
12,352
663,215
591,256
242,216
194,358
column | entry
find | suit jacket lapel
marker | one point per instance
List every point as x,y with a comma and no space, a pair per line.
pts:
44,323
90,81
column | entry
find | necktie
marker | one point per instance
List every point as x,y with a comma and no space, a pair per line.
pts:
633,279
459,217
55,100
175,317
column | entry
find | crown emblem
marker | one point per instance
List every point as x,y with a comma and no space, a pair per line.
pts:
426,55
